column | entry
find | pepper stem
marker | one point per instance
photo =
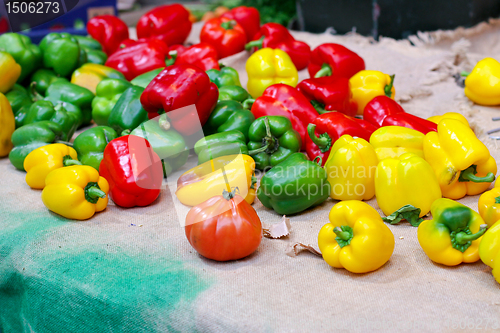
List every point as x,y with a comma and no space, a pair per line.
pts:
163,122
320,160
320,107
93,192
388,88
258,150
173,57
255,43
247,104
125,132
497,200
70,144
228,195
326,70
35,96
228,25
469,174
323,142
463,237
344,235
464,73
68,160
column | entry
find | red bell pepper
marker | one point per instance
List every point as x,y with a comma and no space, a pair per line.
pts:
139,57
108,30
169,23
227,36
410,121
133,170
284,100
178,86
328,128
329,93
276,36
202,55
380,107
334,59
247,17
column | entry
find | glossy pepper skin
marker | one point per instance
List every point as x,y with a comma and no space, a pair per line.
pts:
407,180
408,120
226,76
108,92
228,116
25,53
109,30
367,84
350,169
89,75
235,93
489,205
201,55
93,49
139,58
247,17
206,180
327,128
128,113
482,85
394,141
176,87
90,144
356,238
379,108
462,164
7,126
332,59
20,102
9,71
133,171
293,185
328,94
453,115
73,94
169,23
272,140
226,35
284,100
43,78
45,110
489,250
267,67
220,144
276,36
166,142
453,235
75,192
144,79
62,53
41,161
30,137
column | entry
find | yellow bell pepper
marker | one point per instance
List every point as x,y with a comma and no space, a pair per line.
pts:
7,126
394,141
208,180
453,235
367,84
489,249
453,115
482,85
489,205
75,192
41,161
89,75
350,169
356,238
267,67
10,71
408,180
462,164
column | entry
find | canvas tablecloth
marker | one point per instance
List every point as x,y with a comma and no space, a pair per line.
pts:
132,270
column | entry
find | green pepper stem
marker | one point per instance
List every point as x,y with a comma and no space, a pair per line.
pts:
247,104
497,200
326,70
70,144
228,195
344,235
95,192
68,160
221,65
35,96
464,73
173,57
388,88
468,175
228,25
125,132
320,160
163,122
320,107
320,142
258,150
462,237
255,43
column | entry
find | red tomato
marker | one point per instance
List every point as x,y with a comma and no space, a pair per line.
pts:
224,228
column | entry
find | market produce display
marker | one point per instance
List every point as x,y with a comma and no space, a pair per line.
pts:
339,133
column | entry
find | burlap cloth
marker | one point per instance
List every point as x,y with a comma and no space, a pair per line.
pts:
132,270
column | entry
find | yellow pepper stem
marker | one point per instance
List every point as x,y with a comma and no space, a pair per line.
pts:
68,160
326,70
388,88
462,240
469,174
93,192
344,235
324,142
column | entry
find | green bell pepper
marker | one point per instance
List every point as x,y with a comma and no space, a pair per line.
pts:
228,116
90,144
30,137
144,79
88,43
93,49
62,52
107,93
71,93
272,140
294,185
233,93
220,144
96,56
20,101
167,143
45,110
26,54
128,113
43,78
227,76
